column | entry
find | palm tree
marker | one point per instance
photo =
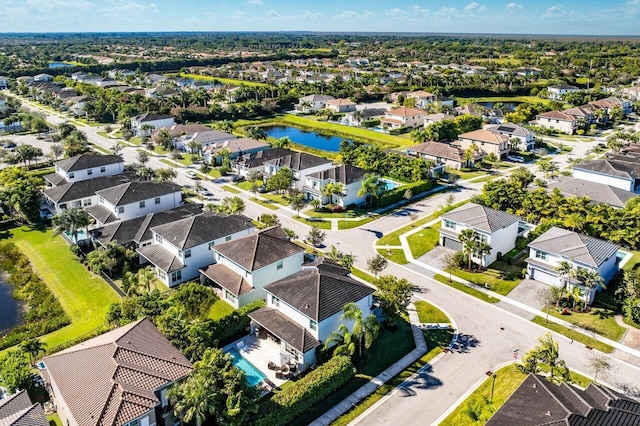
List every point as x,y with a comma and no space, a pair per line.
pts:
297,202
482,248
117,148
224,126
469,242
344,341
225,156
418,136
257,133
164,138
566,272
364,332
282,142
142,157
145,278
195,401
372,187
591,280
331,189
33,347
71,221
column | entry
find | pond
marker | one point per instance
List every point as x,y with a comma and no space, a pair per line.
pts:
11,309
306,138
507,106
60,65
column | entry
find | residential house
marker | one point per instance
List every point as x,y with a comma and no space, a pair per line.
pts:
486,141
66,93
436,118
4,82
558,91
133,199
181,248
632,93
300,163
312,103
245,164
77,104
161,92
441,154
202,84
244,266
557,120
149,119
79,76
350,177
236,147
619,171
526,137
43,77
494,227
528,72
580,251
202,139
538,401
118,378
340,105
584,115
3,105
596,191
18,410
184,130
305,308
155,79
422,98
356,118
82,193
24,79
404,117
610,103
88,165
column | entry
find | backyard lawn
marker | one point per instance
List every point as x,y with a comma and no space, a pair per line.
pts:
424,241
220,309
499,277
84,296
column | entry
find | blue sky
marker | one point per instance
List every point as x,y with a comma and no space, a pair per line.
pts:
590,17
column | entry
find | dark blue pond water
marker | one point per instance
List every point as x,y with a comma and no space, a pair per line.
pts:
302,137
60,65
509,106
10,309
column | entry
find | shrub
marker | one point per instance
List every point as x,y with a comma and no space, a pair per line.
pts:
230,326
294,400
397,194
337,208
398,131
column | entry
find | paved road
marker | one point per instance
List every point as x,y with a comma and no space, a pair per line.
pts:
482,345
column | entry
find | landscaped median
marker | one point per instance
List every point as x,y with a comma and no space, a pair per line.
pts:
574,335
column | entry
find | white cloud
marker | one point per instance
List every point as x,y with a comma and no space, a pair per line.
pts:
273,14
256,2
237,14
554,12
419,10
396,12
312,15
471,6
350,14
128,8
516,6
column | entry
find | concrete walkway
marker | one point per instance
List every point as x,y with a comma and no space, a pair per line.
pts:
352,400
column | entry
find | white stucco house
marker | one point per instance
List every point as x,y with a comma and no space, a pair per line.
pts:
340,105
89,165
312,103
486,141
244,266
526,137
557,120
154,120
4,82
404,117
441,154
616,170
558,91
350,177
496,228
300,163
305,308
181,248
580,251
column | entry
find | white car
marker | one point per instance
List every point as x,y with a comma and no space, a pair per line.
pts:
191,174
515,158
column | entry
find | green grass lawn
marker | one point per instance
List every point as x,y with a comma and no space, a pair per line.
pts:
322,224
220,309
476,409
499,277
277,198
424,241
429,313
54,420
84,296
527,99
350,224
578,337
470,291
264,203
464,174
598,320
230,189
104,134
232,81
394,255
631,263
362,274
246,185
100,149
350,213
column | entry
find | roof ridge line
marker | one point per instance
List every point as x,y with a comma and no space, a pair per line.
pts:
172,361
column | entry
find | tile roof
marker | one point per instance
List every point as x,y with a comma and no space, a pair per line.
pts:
259,158
345,174
406,112
317,293
563,87
556,115
298,161
627,167
112,379
481,217
18,410
577,247
597,192
285,329
340,102
85,188
255,251
227,279
148,116
132,192
236,145
540,402
200,229
486,136
438,149
161,257
87,161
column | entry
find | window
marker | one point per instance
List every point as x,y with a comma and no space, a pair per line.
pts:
176,276
72,175
103,169
142,204
211,244
449,224
313,325
161,274
159,238
227,238
187,254
86,202
279,265
157,200
275,301
133,423
541,255
121,209
89,172
100,200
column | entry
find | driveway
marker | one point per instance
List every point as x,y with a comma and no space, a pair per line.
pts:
526,293
436,257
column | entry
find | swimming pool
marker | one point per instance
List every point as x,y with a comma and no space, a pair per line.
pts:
82,235
390,184
254,376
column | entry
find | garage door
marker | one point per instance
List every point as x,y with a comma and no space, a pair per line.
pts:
452,244
544,276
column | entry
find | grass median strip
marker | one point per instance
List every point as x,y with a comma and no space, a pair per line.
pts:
466,289
575,335
230,189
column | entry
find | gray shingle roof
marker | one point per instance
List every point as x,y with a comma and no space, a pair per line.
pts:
625,167
86,161
481,217
161,257
18,410
85,188
227,279
318,294
148,116
259,158
285,329
299,161
256,251
344,174
200,229
111,379
577,247
597,192
438,149
101,214
132,192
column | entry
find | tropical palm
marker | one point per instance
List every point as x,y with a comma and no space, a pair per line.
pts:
145,278
566,272
33,347
257,133
344,341
195,401
71,221
364,332
469,242
372,187
331,189
591,280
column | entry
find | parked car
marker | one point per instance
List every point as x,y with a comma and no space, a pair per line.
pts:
10,146
515,158
238,178
191,174
262,189
204,191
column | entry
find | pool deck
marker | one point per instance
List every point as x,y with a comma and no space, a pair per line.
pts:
259,352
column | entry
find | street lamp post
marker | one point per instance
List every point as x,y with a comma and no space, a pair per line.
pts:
493,385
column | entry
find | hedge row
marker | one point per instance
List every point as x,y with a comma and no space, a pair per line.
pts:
396,194
294,400
44,313
227,328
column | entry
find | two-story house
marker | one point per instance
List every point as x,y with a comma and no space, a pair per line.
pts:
312,103
119,378
234,147
596,191
182,247
81,193
558,91
84,166
300,163
619,171
515,131
134,199
357,118
442,155
609,103
585,115
155,121
404,117
557,120
305,308
245,265
494,227
18,410
4,82
248,163
350,177
340,105
580,251
486,141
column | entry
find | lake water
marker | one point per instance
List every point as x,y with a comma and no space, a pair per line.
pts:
509,106
11,310
60,65
303,137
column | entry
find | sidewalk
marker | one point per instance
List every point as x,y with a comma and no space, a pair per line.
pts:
352,400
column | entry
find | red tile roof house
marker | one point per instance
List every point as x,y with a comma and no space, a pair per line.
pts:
119,378
557,120
404,117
